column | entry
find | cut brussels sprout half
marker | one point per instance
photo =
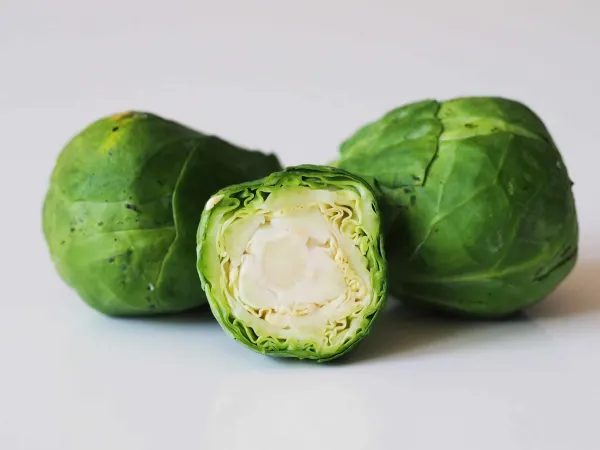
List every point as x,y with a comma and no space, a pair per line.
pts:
293,264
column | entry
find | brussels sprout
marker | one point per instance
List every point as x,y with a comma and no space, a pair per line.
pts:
484,220
124,203
293,264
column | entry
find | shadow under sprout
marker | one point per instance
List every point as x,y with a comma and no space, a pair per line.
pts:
400,331
200,315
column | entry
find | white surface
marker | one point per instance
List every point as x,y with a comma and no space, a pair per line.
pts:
295,77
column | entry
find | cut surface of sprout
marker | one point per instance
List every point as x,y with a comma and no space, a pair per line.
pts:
292,267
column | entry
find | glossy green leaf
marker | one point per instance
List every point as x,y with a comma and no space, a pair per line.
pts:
484,220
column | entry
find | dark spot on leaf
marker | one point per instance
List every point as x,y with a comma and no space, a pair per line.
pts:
62,242
115,129
495,129
489,294
148,299
413,200
72,229
109,153
171,292
131,206
129,252
111,259
416,178
100,224
123,267
436,230
160,182
115,239
406,190
470,125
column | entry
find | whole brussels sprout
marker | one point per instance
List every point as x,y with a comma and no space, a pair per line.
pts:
293,264
124,203
483,220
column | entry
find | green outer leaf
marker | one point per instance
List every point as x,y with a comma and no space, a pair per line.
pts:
317,177
123,205
488,225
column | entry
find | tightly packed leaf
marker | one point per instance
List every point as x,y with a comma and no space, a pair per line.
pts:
123,207
482,218
293,264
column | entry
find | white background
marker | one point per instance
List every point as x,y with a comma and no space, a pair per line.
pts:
296,78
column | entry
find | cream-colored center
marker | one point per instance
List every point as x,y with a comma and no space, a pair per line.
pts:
289,267
290,270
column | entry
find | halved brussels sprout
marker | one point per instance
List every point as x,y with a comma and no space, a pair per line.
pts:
121,213
293,264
